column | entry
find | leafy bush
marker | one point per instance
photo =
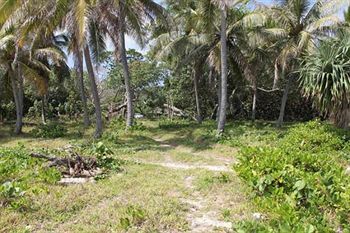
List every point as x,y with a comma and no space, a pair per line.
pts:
301,180
51,130
104,158
20,175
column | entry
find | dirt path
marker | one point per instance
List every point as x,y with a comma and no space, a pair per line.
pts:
200,219
204,213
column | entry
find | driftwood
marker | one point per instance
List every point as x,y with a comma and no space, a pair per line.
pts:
73,166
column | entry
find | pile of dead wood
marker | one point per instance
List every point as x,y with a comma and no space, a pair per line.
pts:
74,168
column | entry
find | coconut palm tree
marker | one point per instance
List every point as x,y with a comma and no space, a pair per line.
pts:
196,39
299,25
47,16
35,65
27,46
77,22
128,17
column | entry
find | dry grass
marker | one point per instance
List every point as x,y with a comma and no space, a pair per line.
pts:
143,198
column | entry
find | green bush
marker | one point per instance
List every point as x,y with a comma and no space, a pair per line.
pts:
51,130
301,181
104,158
20,175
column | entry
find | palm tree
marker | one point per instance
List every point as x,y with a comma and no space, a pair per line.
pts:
47,16
194,38
78,24
128,17
298,23
325,77
223,88
79,71
35,65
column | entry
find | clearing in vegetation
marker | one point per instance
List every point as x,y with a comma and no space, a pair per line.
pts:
173,179
163,176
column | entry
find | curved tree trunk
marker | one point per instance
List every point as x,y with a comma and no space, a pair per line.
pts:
284,103
17,89
78,59
198,106
90,69
223,88
124,61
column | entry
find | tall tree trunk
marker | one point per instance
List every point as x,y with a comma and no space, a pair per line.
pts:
223,102
284,102
17,88
43,113
90,69
275,80
198,106
219,99
255,96
79,70
124,61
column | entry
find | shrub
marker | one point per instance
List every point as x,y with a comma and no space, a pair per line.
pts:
104,159
301,180
51,130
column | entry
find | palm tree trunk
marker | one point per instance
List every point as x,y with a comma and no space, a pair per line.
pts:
43,114
284,103
80,75
219,99
17,88
255,96
223,102
198,107
275,80
124,61
90,69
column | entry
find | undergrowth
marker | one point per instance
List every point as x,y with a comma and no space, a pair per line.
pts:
50,130
21,176
300,181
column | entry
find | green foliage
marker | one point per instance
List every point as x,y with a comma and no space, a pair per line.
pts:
325,77
300,181
104,159
174,124
50,130
21,176
146,76
243,133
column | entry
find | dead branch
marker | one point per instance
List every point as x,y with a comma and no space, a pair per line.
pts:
73,166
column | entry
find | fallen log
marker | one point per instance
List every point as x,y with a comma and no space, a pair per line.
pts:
179,112
114,111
